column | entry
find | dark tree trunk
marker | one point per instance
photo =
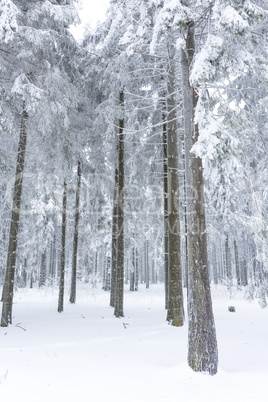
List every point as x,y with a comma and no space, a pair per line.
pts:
175,312
215,266
43,270
52,264
63,240
237,267
185,228
228,263
132,272
107,284
8,289
202,343
166,231
119,297
75,241
244,273
146,266
24,273
137,271
114,234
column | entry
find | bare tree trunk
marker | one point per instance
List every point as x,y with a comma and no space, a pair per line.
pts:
215,266
119,297
166,231
52,264
114,234
228,263
175,312
75,242
8,289
185,227
202,343
63,241
137,271
237,267
43,270
132,271
146,265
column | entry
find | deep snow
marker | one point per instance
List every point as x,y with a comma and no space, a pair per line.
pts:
87,354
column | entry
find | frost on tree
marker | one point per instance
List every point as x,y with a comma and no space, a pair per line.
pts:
119,294
202,343
8,289
175,305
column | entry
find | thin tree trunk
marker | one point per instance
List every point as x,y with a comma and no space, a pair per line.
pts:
108,274
119,297
175,312
185,227
237,267
137,271
63,241
228,263
53,259
147,268
8,289
202,343
114,234
43,270
132,272
215,266
166,231
75,242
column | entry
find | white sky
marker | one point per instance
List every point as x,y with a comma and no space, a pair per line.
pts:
90,12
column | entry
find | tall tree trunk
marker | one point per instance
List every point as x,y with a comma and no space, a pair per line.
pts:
237,267
114,233
215,266
43,270
202,343
146,265
137,271
53,259
8,289
132,271
175,312
228,263
119,297
63,241
75,241
185,225
166,231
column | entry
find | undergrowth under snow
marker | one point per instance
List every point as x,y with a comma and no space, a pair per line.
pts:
87,354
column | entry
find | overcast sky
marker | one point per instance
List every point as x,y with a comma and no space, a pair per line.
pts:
90,12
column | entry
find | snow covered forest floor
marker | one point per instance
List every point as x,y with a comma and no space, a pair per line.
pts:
87,354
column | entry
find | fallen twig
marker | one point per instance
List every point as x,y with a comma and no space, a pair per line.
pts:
18,325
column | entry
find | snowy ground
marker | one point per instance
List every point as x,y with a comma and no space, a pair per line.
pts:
85,354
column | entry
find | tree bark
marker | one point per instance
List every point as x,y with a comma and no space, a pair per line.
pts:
63,241
114,234
237,267
202,343
146,265
8,289
137,271
228,263
119,297
175,312
43,270
165,171
75,241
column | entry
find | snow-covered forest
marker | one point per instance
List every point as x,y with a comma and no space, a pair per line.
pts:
133,172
